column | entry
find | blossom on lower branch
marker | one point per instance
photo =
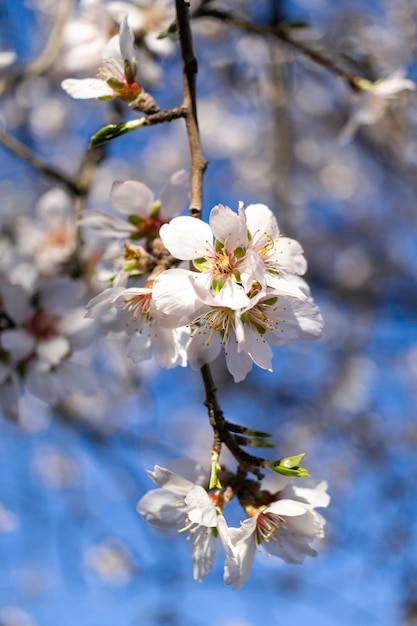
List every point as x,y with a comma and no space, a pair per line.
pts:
182,503
284,522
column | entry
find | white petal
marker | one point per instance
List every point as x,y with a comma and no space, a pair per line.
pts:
292,549
286,507
43,384
76,378
187,238
86,88
18,342
106,225
174,294
9,398
15,301
189,469
262,224
239,364
158,507
203,553
316,496
140,346
53,350
126,40
174,194
202,348
168,480
200,507
229,227
132,198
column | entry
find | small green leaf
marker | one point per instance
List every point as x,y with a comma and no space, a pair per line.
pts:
259,442
287,466
107,133
255,433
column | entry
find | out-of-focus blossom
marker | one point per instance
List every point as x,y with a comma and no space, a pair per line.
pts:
118,77
184,504
285,523
13,616
145,213
8,521
40,331
50,240
86,35
111,561
7,58
373,100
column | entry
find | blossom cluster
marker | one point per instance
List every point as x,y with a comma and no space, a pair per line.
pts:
41,328
244,294
284,522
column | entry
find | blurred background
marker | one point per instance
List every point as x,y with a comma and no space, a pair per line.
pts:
73,550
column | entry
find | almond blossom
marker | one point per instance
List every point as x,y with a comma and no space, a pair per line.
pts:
40,331
373,101
245,333
284,523
131,311
118,77
144,214
182,503
50,239
235,251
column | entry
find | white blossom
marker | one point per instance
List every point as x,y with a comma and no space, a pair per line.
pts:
187,506
119,75
373,100
285,527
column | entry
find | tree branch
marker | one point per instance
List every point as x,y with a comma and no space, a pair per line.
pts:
198,162
282,32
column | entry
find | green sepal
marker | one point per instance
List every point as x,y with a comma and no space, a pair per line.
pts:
214,476
114,83
218,284
107,133
135,220
270,301
156,207
289,466
219,245
261,329
239,253
202,265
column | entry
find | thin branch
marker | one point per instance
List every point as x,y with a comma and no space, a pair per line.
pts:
19,149
282,32
48,55
198,162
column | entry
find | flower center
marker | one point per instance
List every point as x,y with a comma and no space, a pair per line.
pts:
42,325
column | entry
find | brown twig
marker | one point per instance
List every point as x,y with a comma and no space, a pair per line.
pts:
198,162
282,32
19,149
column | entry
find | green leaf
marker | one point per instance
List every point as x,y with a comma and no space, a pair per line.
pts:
289,466
107,133
259,442
255,433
